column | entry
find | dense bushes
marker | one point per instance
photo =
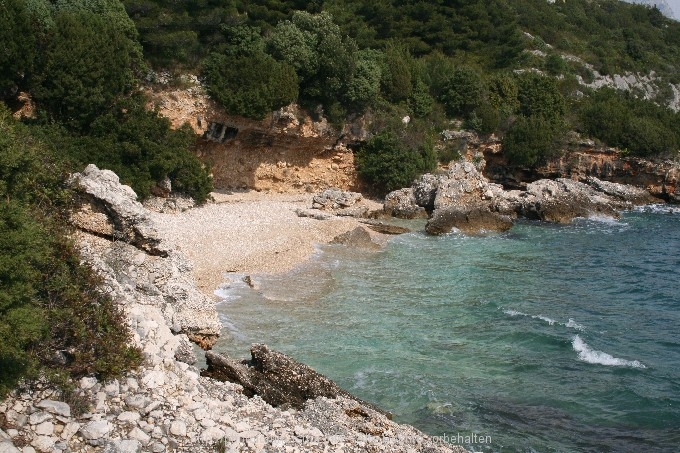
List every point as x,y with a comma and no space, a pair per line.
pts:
83,82
86,67
52,316
388,162
251,86
641,127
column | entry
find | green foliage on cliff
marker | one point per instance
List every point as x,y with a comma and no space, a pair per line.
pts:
17,55
52,316
392,160
86,66
251,86
641,127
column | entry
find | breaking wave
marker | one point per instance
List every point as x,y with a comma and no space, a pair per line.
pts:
589,355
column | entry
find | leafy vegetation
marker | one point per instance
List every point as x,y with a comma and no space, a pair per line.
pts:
392,159
52,316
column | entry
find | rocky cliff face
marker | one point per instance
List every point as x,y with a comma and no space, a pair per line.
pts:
144,273
659,178
464,199
292,150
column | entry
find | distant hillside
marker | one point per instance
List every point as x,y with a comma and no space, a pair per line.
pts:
664,7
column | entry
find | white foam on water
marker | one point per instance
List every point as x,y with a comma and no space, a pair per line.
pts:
544,318
605,219
574,325
514,313
589,355
519,313
658,209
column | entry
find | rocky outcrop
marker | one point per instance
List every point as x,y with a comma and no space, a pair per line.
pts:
659,178
275,377
465,200
144,273
562,200
402,204
116,214
467,220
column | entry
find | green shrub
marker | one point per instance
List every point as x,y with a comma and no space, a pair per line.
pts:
18,45
251,86
621,120
87,66
387,162
49,302
484,120
539,95
531,141
463,91
139,146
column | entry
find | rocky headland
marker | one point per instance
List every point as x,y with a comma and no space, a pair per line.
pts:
168,404
462,198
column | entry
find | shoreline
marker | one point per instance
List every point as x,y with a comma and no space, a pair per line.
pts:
251,232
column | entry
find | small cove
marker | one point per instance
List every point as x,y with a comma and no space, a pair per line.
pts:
546,338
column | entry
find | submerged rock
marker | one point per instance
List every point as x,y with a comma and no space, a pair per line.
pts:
358,238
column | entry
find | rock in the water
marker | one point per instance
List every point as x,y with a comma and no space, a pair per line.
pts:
402,204
623,192
358,237
469,221
275,377
386,228
562,200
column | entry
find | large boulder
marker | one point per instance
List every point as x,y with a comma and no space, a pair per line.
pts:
622,192
463,185
125,218
276,378
357,238
425,190
562,200
402,204
473,220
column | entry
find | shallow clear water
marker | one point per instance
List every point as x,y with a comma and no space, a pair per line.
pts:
546,338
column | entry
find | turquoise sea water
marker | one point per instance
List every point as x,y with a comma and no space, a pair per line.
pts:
546,338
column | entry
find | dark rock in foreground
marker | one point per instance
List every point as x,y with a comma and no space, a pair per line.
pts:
276,378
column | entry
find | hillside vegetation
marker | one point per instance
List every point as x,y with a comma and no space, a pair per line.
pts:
507,67
510,67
